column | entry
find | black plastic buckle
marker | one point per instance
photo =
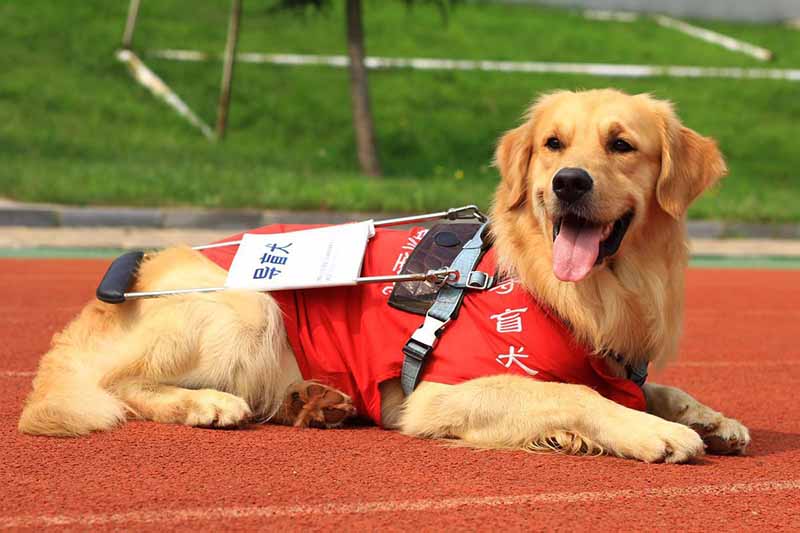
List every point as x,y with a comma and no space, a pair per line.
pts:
416,350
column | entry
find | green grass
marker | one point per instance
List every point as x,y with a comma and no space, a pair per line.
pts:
76,129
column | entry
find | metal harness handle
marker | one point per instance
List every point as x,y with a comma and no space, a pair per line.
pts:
445,308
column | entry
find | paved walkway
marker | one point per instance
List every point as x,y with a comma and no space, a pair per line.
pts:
104,241
55,216
99,228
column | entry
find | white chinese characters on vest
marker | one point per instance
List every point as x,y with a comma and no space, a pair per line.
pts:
510,321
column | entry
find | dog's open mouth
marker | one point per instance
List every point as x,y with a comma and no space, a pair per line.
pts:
580,244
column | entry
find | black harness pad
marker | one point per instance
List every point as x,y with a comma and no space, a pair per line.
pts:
437,250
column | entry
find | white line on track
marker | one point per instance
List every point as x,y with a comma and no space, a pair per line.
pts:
333,508
16,374
788,362
420,63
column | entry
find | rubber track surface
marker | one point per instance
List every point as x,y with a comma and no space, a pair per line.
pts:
740,354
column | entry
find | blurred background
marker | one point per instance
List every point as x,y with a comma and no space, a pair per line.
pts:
77,128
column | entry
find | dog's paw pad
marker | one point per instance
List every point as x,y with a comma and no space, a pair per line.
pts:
312,404
730,437
721,435
704,428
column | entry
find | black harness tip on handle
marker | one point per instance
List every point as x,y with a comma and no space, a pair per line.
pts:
119,278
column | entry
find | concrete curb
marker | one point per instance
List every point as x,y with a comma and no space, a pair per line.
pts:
52,215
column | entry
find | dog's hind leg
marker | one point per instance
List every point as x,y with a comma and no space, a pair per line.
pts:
176,405
198,359
721,435
67,399
69,402
204,360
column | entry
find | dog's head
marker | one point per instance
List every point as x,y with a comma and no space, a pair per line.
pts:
592,167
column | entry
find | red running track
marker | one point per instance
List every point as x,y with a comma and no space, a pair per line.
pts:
740,354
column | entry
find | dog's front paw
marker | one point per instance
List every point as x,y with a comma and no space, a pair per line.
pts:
723,436
212,408
662,442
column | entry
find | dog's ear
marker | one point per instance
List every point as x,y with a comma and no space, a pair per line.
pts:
690,164
512,158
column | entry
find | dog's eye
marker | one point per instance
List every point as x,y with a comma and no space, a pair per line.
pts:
621,146
554,144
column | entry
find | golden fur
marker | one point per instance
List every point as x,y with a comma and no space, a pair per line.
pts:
635,308
222,359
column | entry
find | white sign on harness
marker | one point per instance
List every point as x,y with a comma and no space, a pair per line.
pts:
321,257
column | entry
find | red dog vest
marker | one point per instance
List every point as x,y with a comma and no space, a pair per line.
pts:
351,339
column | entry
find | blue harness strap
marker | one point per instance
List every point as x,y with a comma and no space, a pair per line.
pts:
444,309
637,374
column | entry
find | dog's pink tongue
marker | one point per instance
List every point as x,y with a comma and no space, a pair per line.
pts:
575,251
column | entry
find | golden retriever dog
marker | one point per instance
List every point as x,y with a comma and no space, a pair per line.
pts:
590,218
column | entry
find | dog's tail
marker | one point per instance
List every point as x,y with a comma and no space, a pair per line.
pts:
67,398
73,406
67,415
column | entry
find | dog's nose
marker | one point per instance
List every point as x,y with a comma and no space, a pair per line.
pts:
570,184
